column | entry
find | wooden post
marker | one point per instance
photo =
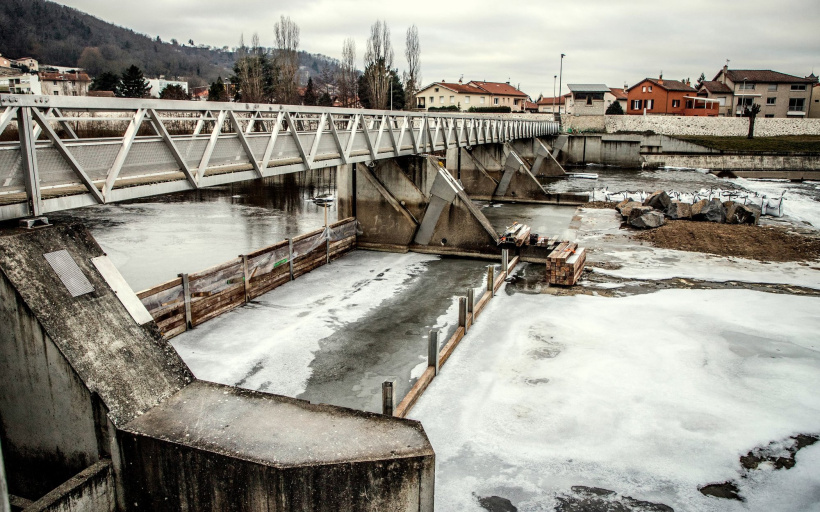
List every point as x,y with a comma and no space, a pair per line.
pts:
186,292
388,398
246,277
505,261
470,300
490,279
327,247
432,350
462,312
290,257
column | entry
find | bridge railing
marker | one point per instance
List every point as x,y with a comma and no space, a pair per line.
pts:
59,152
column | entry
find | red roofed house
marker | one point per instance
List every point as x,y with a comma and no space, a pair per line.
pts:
656,96
64,84
473,94
551,105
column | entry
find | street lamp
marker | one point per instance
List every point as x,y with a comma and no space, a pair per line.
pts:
560,80
554,78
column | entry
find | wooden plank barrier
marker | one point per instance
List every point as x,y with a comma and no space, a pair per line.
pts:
216,290
467,317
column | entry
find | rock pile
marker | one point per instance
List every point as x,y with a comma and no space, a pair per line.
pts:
658,206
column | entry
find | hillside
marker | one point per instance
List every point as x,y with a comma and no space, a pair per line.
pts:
63,36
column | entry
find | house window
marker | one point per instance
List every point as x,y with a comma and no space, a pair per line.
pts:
441,99
636,104
73,93
432,99
452,99
55,82
589,100
745,101
676,104
769,115
772,87
466,100
436,89
495,101
798,87
481,100
770,101
650,104
797,104
650,88
643,89
747,86
56,93
722,101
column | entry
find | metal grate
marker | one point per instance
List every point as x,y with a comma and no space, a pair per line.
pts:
69,273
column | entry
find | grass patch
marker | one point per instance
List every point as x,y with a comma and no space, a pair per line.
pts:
782,144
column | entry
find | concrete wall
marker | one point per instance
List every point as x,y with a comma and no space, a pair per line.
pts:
621,150
805,167
92,490
48,428
720,126
582,123
4,490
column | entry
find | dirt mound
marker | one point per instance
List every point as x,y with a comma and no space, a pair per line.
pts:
761,243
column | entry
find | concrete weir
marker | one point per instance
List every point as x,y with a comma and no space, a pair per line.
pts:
99,413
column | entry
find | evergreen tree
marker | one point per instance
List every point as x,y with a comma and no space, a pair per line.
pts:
325,100
174,92
133,84
397,91
701,79
365,97
615,109
216,92
105,82
310,97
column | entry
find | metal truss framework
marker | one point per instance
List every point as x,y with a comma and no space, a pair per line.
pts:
161,147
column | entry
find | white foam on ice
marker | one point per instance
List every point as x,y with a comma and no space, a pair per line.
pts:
650,396
269,344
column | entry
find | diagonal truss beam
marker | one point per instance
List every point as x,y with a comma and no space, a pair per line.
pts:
125,148
243,140
156,122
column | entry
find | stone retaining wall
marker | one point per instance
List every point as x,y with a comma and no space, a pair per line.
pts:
720,126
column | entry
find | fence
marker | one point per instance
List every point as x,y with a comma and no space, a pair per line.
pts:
191,299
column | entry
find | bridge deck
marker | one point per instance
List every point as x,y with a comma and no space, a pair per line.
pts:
68,152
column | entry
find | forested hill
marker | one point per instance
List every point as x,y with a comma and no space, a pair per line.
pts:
63,36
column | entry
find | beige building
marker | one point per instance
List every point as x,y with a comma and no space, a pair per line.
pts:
29,62
4,62
65,84
778,94
473,94
814,106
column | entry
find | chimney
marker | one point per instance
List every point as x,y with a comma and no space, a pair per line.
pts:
660,78
725,71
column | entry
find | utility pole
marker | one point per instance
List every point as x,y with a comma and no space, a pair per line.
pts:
561,80
554,78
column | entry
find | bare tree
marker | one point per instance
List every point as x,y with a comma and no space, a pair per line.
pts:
347,74
412,77
378,62
287,59
249,70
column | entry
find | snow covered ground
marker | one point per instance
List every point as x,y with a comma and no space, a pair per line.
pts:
650,396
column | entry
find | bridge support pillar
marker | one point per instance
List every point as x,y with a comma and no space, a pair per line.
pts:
413,203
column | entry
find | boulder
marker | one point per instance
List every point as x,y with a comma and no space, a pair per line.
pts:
678,210
647,220
658,200
709,211
627,208
623,203
737,213
637,211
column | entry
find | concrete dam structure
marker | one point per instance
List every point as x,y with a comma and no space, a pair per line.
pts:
98,412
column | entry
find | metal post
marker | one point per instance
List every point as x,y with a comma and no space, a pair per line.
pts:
246,278
290,257
388,398
28,154
490,279
462,312
432,350
560,81
470,300
186,292
505,261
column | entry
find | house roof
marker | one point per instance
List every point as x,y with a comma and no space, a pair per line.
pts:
669,85
101,94
762,76
456,87
498,88
78,77
528,105
551,101
620,94
716,87
588,87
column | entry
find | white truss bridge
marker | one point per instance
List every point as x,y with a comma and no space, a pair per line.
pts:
59,152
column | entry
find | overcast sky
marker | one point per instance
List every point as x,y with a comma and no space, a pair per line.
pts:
605,41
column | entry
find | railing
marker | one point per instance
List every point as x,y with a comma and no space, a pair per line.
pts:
191,299
66,152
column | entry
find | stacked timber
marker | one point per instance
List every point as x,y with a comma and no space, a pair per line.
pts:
565,264
517,234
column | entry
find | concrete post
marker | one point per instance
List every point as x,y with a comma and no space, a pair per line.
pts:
490,280
4,489
505,261
470,300
462,312
186,292
388,398
432,350
345,191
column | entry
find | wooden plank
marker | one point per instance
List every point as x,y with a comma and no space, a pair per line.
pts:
159,288
451,345
213,270
270,248
482,302
308,235
415,392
